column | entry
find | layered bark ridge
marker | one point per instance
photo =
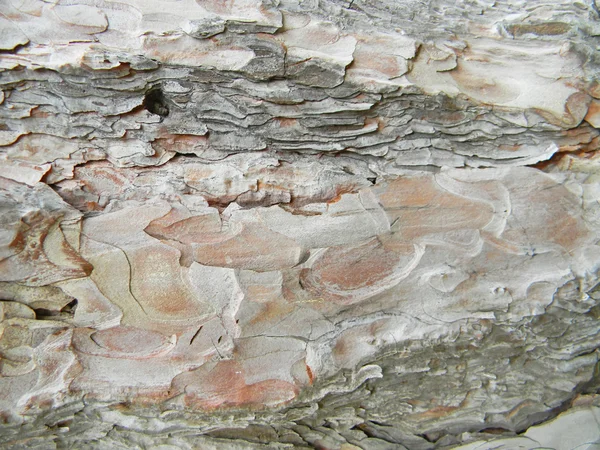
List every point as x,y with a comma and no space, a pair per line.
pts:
365,224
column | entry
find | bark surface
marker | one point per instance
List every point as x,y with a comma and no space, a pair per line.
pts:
247,224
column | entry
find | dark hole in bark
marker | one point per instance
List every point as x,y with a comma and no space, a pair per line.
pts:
496,430
154,102
68,309
373,180
64,423
42,313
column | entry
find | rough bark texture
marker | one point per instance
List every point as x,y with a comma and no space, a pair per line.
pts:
365,224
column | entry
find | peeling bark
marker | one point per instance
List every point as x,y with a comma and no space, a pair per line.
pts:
273,224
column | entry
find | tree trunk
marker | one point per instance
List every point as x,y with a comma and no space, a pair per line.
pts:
331,224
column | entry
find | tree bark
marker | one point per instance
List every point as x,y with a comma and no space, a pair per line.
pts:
365,224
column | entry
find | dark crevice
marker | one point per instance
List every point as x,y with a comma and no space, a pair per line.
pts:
70,307
67,310
497,430
43,313
155,103
196,334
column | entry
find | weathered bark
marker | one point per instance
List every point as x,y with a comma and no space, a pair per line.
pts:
327,224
